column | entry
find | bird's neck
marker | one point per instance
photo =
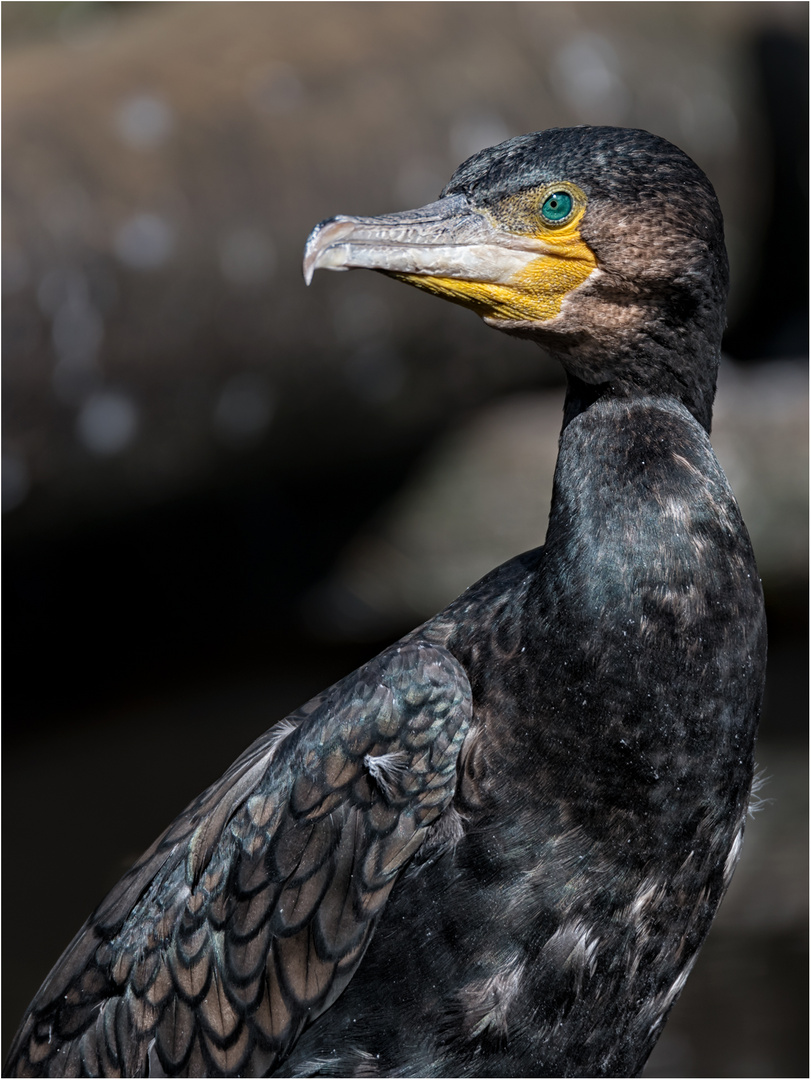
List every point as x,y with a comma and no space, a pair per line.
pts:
637,493
580,396
665,348
641,376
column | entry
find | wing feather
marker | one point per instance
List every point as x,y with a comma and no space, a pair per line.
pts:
248,917
175,1032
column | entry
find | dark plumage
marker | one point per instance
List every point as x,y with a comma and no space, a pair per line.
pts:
496,848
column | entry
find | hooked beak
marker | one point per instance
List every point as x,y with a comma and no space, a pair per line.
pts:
444,239
456,251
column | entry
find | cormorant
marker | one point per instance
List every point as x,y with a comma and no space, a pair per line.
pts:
495,849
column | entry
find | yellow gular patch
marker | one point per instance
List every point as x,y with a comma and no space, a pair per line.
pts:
537,292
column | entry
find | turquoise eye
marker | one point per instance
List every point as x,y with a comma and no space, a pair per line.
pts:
557,206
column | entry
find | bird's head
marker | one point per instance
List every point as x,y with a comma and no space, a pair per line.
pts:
603,244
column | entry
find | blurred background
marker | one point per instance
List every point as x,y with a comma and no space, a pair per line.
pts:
222,491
